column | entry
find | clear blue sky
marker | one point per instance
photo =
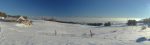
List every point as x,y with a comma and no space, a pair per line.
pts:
91,8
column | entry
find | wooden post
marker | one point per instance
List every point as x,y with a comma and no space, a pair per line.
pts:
55,32
0,29
91,34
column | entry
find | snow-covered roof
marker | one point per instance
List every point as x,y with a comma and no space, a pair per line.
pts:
21,18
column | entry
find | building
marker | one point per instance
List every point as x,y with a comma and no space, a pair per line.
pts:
24,20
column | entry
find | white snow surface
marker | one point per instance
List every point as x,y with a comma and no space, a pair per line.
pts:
43,33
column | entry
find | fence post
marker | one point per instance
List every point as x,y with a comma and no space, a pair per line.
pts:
91,34
55,32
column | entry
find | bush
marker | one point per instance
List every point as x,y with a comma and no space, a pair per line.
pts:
107,24
141,39
132,22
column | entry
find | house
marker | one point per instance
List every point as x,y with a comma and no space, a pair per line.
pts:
10,18
2,18
24,20
20,19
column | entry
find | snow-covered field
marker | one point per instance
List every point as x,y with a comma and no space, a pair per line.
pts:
54,33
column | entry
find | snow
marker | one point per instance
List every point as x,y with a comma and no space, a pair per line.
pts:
54,33
22,25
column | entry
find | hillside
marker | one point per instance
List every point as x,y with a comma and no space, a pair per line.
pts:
54,33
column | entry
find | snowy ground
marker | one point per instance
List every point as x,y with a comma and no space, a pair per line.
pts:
53,33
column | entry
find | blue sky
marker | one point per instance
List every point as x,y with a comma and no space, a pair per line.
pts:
81,8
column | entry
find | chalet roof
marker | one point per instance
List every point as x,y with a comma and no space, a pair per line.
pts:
21,18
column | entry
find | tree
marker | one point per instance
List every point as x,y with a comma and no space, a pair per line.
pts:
107,24
132,22
2,14
146,21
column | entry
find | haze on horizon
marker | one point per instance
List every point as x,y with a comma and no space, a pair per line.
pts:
77,8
